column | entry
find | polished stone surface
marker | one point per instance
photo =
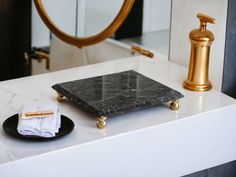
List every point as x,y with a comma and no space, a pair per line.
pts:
195,137
118,93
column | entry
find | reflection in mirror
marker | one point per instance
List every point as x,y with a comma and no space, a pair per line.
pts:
88,17
82,18
98,15
62,13
79,41
97,20
155,26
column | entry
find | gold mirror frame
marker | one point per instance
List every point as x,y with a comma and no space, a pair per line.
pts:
85,41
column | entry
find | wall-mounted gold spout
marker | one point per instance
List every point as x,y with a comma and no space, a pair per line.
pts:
201,40
138,49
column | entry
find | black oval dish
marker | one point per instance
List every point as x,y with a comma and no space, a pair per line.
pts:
10,126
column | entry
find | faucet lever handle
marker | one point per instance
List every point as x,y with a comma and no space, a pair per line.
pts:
206,19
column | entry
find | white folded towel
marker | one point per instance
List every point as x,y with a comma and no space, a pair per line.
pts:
45,126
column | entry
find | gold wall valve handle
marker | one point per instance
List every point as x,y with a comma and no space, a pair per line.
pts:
39,55
201,40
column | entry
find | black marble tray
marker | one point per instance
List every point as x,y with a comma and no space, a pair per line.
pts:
117,93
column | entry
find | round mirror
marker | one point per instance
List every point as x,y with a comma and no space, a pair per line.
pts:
85,28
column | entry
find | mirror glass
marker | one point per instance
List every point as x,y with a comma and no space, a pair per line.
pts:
156,21
88,17
98,17
82,18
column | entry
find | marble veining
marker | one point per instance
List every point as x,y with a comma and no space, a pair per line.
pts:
118,93
36,90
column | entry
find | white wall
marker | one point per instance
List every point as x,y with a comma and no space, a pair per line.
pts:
100,14
156,15
184,20
62,12
40,33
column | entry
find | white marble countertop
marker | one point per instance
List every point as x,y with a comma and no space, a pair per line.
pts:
37,90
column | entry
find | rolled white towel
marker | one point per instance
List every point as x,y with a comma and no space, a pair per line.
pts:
38,125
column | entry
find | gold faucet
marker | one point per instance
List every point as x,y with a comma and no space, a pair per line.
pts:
201,40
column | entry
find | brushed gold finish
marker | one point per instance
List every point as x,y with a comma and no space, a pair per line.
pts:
138,49
27,59
85,41
38,113
61,98
174,105
39,56
43,56
201,40
101,122
204,19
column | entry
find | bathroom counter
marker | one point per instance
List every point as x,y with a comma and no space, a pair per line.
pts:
151,142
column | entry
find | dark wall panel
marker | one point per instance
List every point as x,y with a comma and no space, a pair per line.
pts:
225,170
229,77
133,25
15,38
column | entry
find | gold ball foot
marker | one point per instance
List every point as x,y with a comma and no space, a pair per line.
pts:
61,98
101,122
174,105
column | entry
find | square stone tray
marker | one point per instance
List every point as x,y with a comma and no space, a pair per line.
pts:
114,94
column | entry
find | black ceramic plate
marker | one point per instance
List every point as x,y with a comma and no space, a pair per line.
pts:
10,126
